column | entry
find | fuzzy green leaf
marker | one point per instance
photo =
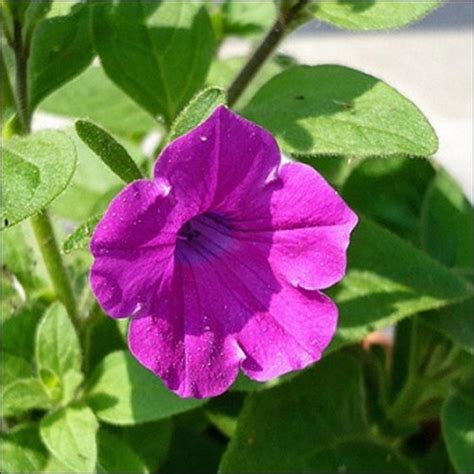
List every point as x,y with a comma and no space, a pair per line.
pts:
112,153
335,110
80,238
198,109
372,14
23,395
124,393
35,169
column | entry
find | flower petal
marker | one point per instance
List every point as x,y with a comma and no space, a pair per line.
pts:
132,245
221,164
185,341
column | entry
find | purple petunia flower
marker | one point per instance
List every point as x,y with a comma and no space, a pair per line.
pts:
220,259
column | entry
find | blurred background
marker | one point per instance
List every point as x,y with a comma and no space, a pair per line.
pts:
429,62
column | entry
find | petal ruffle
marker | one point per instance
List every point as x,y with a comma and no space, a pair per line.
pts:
132,246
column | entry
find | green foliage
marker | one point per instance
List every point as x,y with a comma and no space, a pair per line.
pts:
35,170
94,96
22,451
23,395
387,280
61,49
70,435
198,109
371,14
79,239
122,392
167,45
334,110
458,432
114,155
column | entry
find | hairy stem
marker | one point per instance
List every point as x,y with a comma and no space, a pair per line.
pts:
44,234
273,38
21,59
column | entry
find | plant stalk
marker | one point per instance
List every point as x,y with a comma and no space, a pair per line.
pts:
21,60
273,38
49,249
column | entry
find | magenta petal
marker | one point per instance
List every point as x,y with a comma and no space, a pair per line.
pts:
132,245
185,342
221,165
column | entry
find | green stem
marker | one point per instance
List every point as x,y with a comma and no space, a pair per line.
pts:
21,59
282,25
44,234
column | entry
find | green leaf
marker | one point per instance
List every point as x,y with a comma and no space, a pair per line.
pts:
223,72
22,451
447,225
247,18
114,455
279,429
114,155
167,45
61,49
92,186
80,238
70,435
24,395
390,191
357,456
458,432
150,441
334,110
372,14
198,109
455,322
388,279
36,169
124,393
14,368
94,96
57,344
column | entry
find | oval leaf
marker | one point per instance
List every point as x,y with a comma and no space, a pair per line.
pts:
167,45
124,393
114,155
334,110
70,435
36,169
372,14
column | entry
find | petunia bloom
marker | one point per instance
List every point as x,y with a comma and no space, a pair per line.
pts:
220,259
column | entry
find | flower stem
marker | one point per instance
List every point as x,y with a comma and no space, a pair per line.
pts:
44,234
273,38
41,223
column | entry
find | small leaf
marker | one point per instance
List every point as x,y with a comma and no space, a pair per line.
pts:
167,45
458,432
24,395
198,109
80,238
36,169
61,49
114,155
334,110
372,14
70,435
14,368
94,96
57,344
124,393
22,451
247,18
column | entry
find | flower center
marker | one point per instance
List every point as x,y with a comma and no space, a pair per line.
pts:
204,236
